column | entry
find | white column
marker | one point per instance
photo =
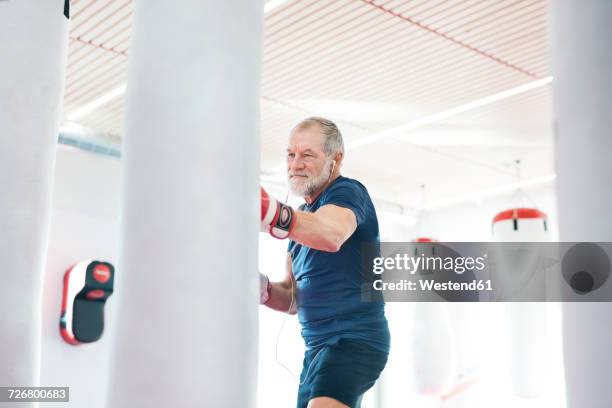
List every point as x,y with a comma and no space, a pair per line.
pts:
582,67
186,283
32,65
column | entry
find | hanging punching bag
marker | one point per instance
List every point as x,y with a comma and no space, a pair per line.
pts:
186,289
521,225
33,59
526,320
431,347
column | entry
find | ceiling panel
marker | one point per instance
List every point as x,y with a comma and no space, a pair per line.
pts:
370,65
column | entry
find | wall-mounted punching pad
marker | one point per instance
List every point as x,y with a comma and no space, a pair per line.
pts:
87,285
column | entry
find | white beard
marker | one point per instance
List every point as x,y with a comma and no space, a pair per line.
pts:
312,184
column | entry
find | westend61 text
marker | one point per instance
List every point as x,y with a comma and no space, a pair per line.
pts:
432,285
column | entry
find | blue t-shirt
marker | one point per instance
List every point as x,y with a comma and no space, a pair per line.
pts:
329,284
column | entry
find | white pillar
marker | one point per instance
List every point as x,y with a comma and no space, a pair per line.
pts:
582,67
32,64
186,283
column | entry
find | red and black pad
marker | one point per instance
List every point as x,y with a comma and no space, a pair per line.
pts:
87,285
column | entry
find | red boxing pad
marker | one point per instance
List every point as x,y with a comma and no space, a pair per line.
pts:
87,285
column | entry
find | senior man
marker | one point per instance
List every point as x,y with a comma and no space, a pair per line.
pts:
347,338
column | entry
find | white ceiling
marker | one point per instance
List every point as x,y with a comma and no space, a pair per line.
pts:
372,66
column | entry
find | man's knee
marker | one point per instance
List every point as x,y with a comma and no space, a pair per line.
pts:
325,402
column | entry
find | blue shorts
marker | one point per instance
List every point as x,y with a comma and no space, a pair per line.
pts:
343,371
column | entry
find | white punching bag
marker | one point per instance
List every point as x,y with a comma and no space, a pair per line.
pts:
33,60
186,283
526,320
580,33
432,364
521,225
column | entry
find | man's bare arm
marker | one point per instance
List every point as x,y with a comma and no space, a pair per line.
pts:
282,294
326,229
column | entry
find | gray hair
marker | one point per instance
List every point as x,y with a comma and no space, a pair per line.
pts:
333,138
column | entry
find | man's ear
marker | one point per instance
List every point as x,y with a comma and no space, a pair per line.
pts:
338,158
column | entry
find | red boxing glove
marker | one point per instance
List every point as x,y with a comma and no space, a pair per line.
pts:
277,218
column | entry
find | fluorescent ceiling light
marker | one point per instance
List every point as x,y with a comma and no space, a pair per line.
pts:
96,103
274,4
436,117
397,132
479,195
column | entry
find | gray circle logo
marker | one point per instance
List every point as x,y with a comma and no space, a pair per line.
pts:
585,267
